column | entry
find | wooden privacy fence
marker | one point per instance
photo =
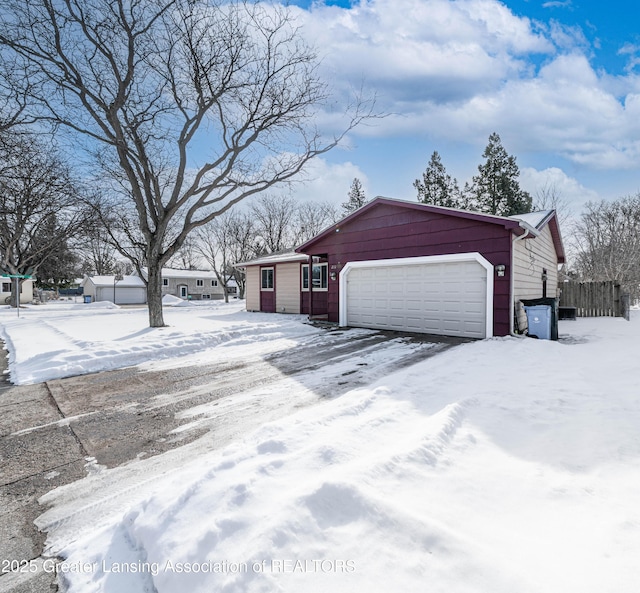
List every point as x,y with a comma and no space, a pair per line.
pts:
595,299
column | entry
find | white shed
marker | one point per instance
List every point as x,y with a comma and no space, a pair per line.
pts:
131,290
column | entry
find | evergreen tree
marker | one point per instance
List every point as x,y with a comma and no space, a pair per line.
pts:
356,196
437,187
61,265
495,190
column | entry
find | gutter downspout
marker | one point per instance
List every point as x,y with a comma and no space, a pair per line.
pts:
512,297
310,283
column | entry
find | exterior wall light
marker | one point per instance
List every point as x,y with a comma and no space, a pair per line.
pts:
333,275
500,270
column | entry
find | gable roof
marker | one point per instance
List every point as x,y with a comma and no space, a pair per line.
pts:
539,220
519,225
126,282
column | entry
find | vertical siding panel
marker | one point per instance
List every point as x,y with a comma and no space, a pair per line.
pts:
252,291
288,288
530,257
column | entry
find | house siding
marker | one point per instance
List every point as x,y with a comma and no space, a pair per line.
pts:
288,288
26,291
389,231
530,256
252,290
194,291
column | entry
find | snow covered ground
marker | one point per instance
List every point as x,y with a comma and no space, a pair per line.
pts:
66,338
505,465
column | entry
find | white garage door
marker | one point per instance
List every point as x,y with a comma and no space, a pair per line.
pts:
125,295
424,295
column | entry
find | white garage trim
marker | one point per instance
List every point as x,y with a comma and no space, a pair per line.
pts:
430,259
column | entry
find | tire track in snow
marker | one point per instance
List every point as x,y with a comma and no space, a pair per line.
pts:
345,365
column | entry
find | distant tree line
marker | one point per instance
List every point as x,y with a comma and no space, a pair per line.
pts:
606,240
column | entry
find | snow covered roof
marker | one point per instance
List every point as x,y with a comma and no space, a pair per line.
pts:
275,258
535,219
127,281
173,273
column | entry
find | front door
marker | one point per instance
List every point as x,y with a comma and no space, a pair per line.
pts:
268,290
183,291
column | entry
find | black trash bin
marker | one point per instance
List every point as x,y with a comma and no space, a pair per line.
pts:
87,298
553,304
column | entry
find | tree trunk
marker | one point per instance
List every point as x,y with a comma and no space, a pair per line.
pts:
154,294
15,294
16,289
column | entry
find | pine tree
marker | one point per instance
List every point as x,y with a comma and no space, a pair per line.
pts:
356,196
437,187
495,190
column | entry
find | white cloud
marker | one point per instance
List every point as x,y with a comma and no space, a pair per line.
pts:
461,70
431,51
328,182
555,181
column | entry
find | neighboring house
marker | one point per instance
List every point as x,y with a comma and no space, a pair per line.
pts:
190,284
26,291
414,267
131,290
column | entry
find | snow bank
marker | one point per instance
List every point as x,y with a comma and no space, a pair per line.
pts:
503,465
169,300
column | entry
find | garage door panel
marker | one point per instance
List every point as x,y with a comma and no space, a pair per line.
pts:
445,298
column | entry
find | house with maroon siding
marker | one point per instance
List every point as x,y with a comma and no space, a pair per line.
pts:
413,267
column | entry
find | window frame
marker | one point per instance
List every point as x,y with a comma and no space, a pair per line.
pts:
264,288
199,283
323,277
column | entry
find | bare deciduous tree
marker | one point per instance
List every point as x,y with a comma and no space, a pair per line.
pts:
225,241
98,253
145,82
282,223
313,217
274,218
187,257
40,206
608,242
549,198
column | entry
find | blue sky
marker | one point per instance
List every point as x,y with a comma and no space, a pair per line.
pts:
558,80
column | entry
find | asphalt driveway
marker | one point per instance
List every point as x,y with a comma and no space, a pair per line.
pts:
53,433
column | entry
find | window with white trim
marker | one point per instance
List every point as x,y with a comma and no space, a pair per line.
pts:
199,283
266,279
206,297
320,276
214,283
165,282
